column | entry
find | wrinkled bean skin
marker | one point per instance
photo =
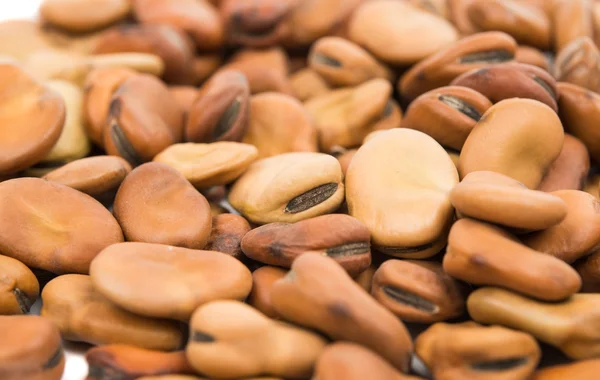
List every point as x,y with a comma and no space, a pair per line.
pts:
511,80
418,291
300,189
448,114
347,241
470,53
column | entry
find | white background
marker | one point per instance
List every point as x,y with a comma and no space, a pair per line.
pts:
15,9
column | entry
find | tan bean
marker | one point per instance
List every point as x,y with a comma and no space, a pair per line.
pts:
499,199
19,288
31,348
407,214
227,233
418,291
156,204
263,194
527,136
483,254
33,117
120,360
471,351
279,124
338,236
398,33
571,325
248,343
262,283
440,69
46,224
319,294
82,314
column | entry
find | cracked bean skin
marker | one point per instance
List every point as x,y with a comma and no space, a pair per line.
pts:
19,288
124,361
473,52
156,204
354,362
347,241
418,291
229,339
31,348
571,325
527,137
448,114
175,280
82,314
483,254
318,293
381,187
499,199
262,194
471,351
